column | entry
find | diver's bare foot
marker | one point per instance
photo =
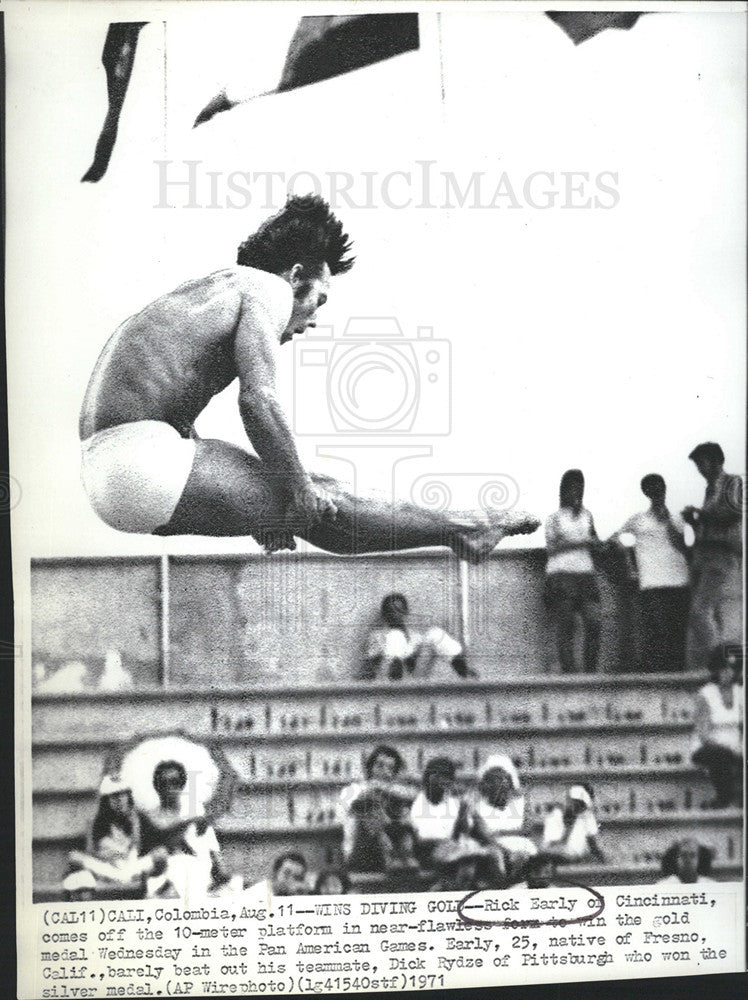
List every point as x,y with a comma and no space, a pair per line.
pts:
476,544
278,541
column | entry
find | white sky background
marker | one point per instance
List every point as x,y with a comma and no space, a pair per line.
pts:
612,340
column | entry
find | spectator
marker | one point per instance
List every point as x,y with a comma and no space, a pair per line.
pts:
571,832
686,862
394,650
435,808
377,834
717,566
332,882
436,811
663,578
497,816
540,872
289,874
194,865
112,855
718,720
571,583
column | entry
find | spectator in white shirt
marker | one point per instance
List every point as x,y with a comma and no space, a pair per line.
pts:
436,808
497,818
394,650
571,582
718,721
663,573
571,832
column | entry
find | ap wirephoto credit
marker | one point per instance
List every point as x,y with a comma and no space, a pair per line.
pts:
376,388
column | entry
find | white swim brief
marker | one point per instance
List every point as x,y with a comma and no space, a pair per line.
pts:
134,474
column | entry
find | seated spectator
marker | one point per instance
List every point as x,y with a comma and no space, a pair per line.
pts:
497,816
686,862
436,809
289,875
718,720
377,834
194,865
571,832
462,867
571,581
332,882
394,650
663,573
540,872
113,850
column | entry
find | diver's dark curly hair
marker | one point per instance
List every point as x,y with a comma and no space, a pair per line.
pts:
304,232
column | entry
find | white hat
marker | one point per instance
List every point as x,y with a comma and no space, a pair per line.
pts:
111,785
580,794
76,881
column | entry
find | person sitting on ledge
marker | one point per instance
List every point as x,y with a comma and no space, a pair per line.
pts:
377,833
686,862
718,719
394,650
571,831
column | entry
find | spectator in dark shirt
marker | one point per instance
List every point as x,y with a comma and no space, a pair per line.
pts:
717,566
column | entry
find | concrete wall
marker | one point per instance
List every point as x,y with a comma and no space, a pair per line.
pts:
294,620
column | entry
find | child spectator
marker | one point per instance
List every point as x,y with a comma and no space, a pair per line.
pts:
112,855
571,832
686,862
394,650
377,834
289,875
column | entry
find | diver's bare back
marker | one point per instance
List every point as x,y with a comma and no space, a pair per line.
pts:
168,361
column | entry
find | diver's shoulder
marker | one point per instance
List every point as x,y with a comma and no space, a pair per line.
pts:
252,281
